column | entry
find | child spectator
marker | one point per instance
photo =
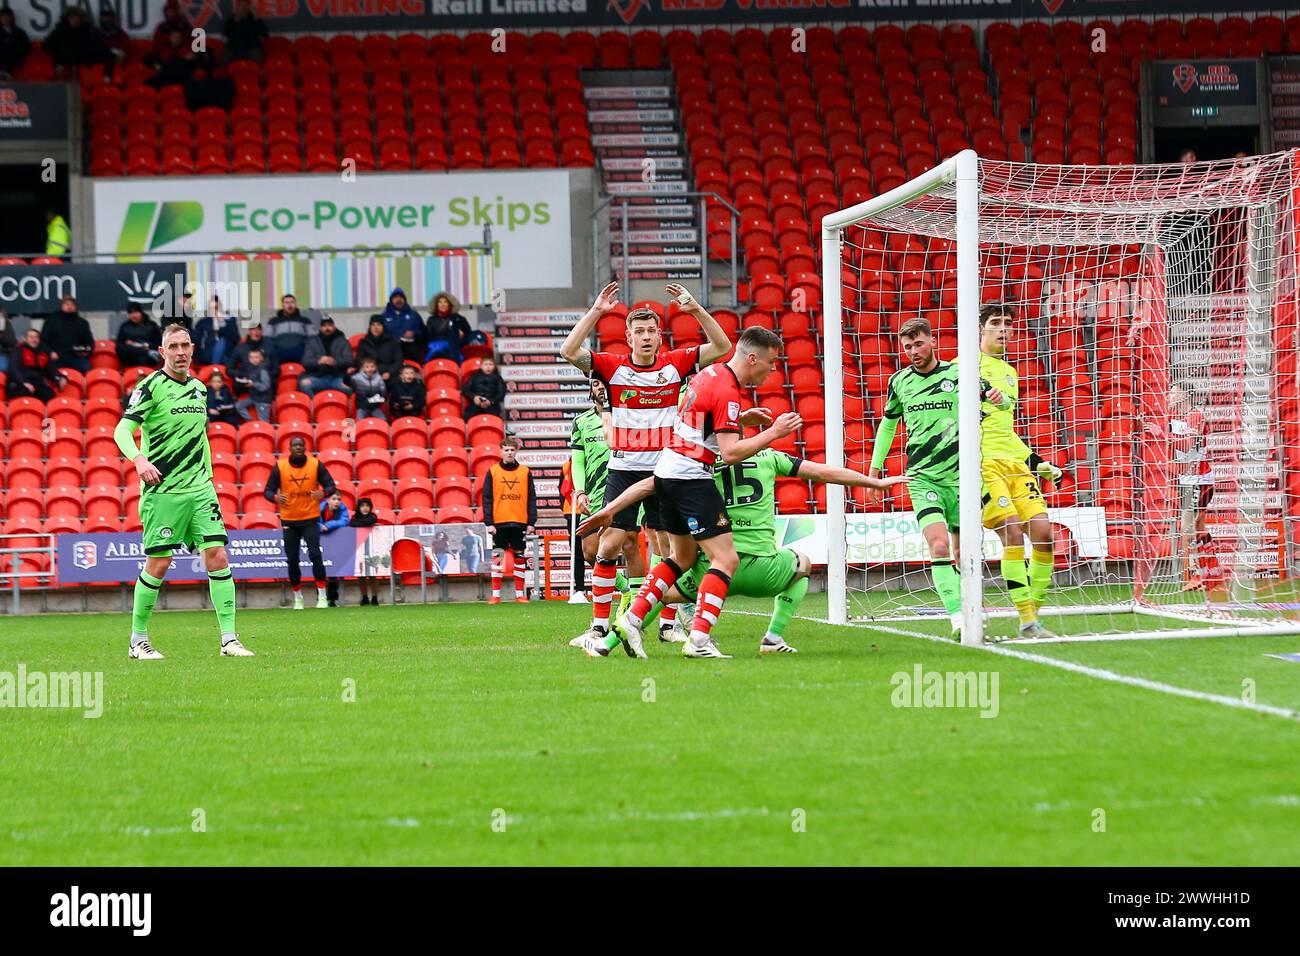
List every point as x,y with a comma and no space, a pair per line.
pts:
370,391
484,390
257,381
255,342
221,403
407,396
366,518
333,514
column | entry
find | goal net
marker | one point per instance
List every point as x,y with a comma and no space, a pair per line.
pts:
1153,333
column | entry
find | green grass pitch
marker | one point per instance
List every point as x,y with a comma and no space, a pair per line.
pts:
478,737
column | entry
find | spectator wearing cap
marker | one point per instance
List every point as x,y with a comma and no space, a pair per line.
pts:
326,360
68,337
139,340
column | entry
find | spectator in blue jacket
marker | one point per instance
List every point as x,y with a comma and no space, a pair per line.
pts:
216,336
333,514
405,325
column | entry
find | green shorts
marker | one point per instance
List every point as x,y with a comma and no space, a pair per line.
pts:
756,576
192,519
932,502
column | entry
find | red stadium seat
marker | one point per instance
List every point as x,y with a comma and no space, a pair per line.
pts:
484,429
257,436
339,463
454,490
450,460
378,490
409,431
286,432
447,431
372,433
414,492
255,468
412,461
374,463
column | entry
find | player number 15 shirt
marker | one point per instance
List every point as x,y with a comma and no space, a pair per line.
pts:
712,405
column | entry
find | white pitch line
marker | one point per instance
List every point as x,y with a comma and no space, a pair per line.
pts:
1095,672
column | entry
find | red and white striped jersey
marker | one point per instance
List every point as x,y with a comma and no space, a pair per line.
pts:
712,405
643,403
1187,435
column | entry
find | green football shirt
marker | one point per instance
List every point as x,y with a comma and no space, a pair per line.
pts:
173,420
749,489
927,404
588,437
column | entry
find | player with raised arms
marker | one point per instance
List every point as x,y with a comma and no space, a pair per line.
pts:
763,569
178,501
643,391
709,427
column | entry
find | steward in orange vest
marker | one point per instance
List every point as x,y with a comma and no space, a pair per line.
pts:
509,511
297,484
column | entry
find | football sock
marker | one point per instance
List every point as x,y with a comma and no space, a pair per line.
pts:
603,577
521,576
1016,575
948,583
787,602
668,615
146,596
1040,574
708,604
221,585
652,591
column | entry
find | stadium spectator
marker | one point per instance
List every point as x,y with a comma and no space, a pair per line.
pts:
74,42
1187,156
405,325
288,331
216,336
297,484
221,403
245,33
139,340
174,63
239,364
484,390
510,512
174,21
31,372
260,386
8,341
447,332
326,360
208,84
333,514
116,40
380,345
58,237
365,517
407,396
67,336
370,389
15,44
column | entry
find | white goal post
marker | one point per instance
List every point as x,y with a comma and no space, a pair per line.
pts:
1155,343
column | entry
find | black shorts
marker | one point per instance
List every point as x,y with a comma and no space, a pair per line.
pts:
617,482
692,506
510,537
1207,495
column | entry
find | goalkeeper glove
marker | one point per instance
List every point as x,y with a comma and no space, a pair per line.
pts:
1048,472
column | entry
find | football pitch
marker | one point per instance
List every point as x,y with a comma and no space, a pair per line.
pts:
467,734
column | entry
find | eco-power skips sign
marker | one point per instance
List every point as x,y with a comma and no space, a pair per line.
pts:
165,217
